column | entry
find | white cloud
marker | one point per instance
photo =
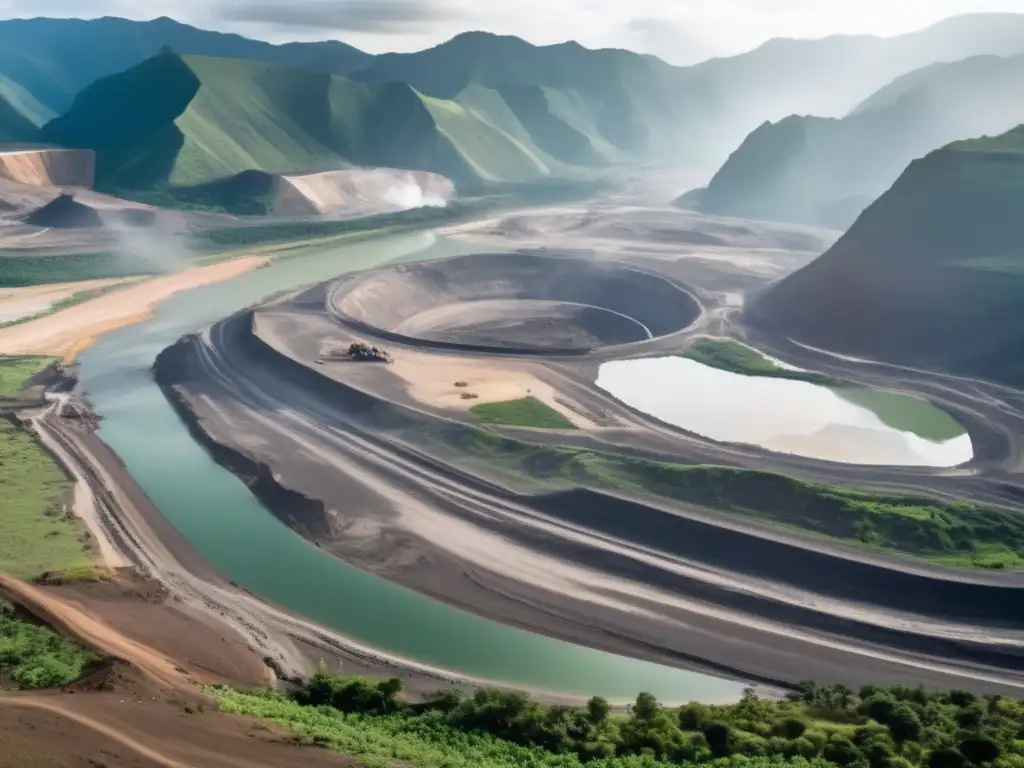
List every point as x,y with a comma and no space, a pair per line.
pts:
678,30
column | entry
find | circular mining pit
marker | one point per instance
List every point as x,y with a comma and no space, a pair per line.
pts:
515,302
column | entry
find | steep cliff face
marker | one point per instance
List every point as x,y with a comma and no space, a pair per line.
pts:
822,171
931,275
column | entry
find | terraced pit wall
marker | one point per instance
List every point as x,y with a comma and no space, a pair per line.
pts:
49,167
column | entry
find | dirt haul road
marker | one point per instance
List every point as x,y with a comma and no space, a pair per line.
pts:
133,531
138,707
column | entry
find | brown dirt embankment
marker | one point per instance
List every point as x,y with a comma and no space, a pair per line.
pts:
80,612
139,707
50,167
359,192
115,730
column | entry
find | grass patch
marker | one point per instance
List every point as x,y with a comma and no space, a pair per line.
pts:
960,533
315,229
36,535
527,412
901,412
82,574
905,413
15,372
23,271
734,357
33,657
956,533
827,725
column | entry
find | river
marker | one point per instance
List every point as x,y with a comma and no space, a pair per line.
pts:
216,512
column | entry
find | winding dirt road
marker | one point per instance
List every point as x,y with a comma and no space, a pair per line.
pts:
698,592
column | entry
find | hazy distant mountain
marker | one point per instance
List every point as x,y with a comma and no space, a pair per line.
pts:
931,275
14,126
54,59
828,77
825,171
21,115
702,111
184,121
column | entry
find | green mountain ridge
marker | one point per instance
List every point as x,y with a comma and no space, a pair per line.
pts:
55,59
931,275
624,103
184,121
15,127
824,171
636,104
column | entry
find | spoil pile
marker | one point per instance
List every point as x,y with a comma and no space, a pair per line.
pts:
63,212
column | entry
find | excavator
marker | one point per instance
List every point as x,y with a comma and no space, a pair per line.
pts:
359,350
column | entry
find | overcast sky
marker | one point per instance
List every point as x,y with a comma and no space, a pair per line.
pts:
681,31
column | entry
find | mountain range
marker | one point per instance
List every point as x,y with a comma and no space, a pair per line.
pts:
931,275
825,171
195,107
55,59
184,121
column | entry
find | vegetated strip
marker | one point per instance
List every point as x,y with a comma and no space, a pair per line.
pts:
24,271
727,355
959,533
34,657
501,197
76,298
526,412
38,533
17,370
829,725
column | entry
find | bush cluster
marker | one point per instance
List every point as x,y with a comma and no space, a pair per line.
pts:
875,727
33,657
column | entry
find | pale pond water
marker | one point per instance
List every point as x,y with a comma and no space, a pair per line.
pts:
850,425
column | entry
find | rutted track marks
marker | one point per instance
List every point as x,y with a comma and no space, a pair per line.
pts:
561,559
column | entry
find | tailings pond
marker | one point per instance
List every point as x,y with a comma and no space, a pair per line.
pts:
853,425
216,512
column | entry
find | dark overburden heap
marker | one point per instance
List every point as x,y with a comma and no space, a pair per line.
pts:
63,212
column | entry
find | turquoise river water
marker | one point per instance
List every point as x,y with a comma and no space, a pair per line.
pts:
216,512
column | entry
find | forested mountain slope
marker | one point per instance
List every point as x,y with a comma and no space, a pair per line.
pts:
931,275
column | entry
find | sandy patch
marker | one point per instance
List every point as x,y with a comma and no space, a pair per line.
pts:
431,379
16,303
67,333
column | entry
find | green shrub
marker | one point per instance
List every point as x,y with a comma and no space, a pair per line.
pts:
33,657
506,729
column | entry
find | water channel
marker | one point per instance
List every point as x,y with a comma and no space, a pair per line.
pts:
216,512
853,425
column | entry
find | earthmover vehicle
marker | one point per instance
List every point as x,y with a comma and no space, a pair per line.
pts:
359,350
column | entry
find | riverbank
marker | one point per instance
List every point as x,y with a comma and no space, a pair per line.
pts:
134,528
66,333
140,702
